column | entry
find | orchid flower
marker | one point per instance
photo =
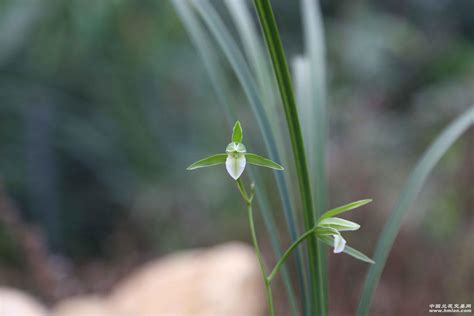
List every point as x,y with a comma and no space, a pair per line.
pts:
334,226
329,229
236,157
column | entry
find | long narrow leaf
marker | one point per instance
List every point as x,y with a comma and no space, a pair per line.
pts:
206,52
302,81
240,14
316,126
302,89
253,48
410,191
280,67
315,52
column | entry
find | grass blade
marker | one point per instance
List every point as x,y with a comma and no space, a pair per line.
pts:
280,67
206,52
317,128
410,190
301,77
302,81
253,48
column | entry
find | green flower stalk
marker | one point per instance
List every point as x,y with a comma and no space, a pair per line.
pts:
328,228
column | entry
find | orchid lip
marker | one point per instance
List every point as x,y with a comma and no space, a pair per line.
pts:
235,164
339,243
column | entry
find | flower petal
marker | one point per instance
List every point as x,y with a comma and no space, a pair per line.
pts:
235,165
339,224
345,208
339,243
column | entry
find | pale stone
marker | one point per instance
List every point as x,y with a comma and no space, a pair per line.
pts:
223,280
17,303
82,306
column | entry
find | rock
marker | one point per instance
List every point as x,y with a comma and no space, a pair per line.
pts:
17,303
82,306
223,280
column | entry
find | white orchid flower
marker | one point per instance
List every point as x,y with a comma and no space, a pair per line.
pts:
329,229
236,157
334,226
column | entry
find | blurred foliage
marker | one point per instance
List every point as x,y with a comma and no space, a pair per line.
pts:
8,253
83,122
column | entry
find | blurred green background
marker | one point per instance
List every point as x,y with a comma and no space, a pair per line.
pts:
103,104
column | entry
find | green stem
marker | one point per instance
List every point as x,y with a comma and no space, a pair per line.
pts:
243,192
277,54
248,200
268,288
287,253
